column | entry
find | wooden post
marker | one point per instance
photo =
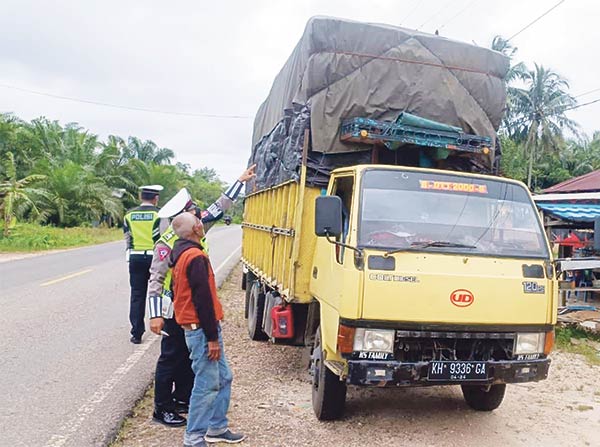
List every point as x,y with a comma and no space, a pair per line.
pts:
299,207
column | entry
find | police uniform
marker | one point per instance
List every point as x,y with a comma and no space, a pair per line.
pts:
141,226
174,377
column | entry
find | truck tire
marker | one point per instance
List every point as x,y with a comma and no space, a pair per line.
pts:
248,281
482,397
256,308
328,391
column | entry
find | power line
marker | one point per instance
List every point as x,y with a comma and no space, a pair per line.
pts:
417,4
582,105
435,14
523,29
587,93
123,107
457,14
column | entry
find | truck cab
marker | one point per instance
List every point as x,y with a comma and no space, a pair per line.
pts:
429,277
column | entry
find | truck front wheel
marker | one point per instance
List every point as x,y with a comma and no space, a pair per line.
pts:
482,397
256,308
328,391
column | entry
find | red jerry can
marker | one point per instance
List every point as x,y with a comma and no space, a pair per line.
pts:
283,322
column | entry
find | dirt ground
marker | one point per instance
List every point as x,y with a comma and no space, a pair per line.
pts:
271,404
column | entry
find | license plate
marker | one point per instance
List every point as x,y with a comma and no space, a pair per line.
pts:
459,371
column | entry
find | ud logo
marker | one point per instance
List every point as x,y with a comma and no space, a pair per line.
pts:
462,298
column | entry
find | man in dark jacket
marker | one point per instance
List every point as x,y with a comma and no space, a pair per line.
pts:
198,311
174,377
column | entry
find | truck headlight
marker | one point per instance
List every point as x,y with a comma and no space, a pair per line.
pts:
377,340
530,343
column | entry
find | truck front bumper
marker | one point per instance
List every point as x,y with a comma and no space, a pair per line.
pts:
394,373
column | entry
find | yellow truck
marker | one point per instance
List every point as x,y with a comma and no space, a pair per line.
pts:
394,266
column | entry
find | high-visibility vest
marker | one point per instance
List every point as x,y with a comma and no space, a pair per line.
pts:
169,238
143,224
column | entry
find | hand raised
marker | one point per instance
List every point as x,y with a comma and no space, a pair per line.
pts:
248,174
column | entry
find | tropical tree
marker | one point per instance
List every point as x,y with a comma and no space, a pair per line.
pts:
205,186
516,72
18,195
66,176
148,152
540,114
78,196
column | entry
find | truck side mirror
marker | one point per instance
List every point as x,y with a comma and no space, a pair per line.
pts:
328,216
597,235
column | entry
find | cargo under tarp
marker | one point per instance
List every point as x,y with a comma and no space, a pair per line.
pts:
342,69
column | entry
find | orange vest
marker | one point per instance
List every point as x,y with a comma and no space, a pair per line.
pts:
185,312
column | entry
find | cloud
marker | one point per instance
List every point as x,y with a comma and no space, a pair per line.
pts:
221,58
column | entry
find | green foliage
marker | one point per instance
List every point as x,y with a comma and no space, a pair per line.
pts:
565,335
541,145
205,186
237,211
66,176
17,194
31,237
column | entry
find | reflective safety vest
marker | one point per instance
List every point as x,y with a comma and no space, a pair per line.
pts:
169,238
142,224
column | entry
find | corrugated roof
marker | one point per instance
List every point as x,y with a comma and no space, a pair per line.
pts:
585,197
584,212
587,182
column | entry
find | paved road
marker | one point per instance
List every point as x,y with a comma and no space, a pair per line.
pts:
68,374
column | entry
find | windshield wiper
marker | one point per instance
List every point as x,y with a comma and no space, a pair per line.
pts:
442,244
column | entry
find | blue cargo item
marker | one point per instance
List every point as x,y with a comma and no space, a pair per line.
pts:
413,130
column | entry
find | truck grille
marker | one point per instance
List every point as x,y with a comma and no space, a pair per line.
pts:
416,346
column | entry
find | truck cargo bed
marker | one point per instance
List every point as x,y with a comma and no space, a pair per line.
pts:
278,241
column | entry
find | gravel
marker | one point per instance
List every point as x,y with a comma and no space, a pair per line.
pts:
271,404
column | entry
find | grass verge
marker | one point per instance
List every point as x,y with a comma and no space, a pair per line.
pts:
26,237
577,340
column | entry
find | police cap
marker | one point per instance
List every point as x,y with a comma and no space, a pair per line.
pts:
178,203
151,189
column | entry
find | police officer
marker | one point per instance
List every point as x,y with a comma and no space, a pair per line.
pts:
141,226
174,377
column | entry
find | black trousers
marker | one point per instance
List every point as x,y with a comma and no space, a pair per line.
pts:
139,274
174,377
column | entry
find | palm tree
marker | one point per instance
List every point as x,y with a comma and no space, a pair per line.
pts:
148,152
78,195
17,195
516,72
539,113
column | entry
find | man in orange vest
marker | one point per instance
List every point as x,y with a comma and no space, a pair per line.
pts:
198,311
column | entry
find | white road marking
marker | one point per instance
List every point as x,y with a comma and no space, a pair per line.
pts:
67,430
74,424
63,278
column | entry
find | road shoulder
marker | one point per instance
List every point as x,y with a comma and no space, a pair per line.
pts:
271,403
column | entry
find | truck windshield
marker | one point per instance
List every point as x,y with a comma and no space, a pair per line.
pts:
406,210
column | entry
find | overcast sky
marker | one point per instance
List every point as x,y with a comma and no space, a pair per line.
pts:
221,58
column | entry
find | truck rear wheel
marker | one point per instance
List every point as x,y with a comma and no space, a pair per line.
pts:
256,308
483,397
328,391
